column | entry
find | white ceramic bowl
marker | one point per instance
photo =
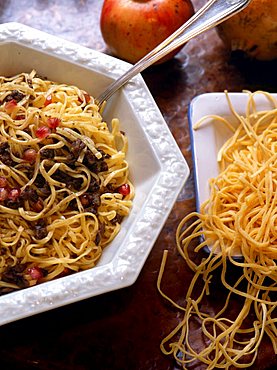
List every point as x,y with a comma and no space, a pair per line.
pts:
157,167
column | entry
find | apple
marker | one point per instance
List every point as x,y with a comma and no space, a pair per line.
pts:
132,28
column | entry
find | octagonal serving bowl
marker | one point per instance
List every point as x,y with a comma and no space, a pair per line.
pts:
158,169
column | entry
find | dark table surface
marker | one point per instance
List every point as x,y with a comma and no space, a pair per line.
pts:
123,329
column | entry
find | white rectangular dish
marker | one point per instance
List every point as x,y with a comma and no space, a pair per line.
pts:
158,169
207,140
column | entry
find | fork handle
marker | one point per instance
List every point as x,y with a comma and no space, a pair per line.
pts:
210,15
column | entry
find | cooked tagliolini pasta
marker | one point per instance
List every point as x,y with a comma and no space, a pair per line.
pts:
240,217
64,181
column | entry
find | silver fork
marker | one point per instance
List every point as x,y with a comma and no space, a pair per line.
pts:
210,15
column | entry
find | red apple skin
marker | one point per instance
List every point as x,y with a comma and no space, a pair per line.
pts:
132,28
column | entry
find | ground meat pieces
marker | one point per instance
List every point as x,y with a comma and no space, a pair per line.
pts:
40,181
76,183
32,196
3,251
117,219
15,275
41,229
94,164
93,185
44,191
76,148
29,194
47,154
14,95
71,161
38,206
13,203
100,233
110,188
40,232
62,177
90,200
73,205
71,182
98,238
27,169
43,188
5,155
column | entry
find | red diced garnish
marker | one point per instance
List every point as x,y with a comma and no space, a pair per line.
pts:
10,106
124,189
30,155
42,132
86,96
3,182
20,116
14,194
3,194
35,273
48,100
53,122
